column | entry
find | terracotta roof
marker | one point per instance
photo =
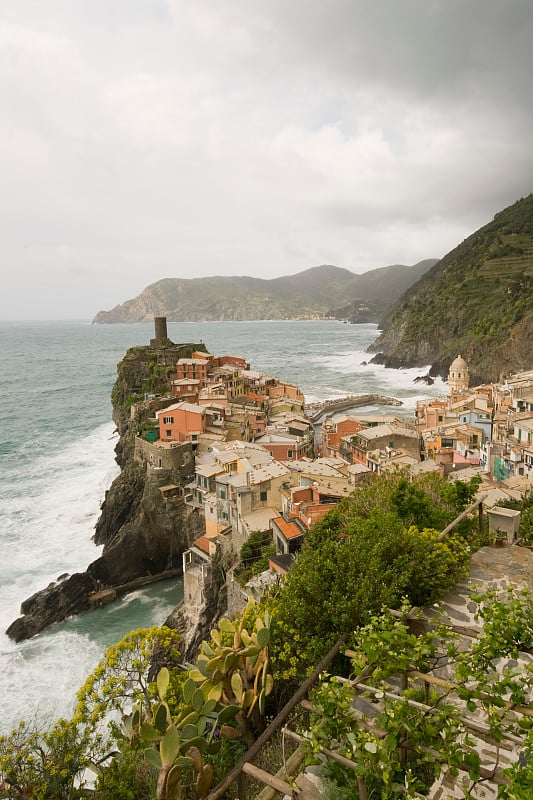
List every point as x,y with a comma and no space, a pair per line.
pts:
202,544
290,530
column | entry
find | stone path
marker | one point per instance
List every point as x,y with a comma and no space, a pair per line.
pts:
491,567
495,568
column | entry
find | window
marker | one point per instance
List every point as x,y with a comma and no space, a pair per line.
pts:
168,420
222,494
168,433
263,496
440,417
289,453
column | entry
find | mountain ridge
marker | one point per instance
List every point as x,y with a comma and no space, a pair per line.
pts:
316,291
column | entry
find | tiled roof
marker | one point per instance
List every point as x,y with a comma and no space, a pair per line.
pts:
184,406
202,544
290,530
272,470
192,408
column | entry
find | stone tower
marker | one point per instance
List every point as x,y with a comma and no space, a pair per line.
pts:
161,335
458,376
160,324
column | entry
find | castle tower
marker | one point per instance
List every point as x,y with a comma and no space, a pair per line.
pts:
160,324
458,376
161,335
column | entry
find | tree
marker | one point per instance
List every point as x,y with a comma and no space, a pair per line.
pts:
122,677
361,556
144,738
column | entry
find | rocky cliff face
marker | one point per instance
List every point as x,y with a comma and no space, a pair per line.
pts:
143,533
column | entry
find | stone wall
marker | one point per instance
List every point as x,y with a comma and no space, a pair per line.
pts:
237,596
174,456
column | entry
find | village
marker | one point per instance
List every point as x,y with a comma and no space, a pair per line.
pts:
263,466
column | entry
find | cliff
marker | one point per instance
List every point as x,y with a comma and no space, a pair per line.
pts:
477,301
323,291
144,533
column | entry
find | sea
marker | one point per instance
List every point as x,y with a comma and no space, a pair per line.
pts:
57,460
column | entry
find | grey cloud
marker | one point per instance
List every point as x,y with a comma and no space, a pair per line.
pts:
143,140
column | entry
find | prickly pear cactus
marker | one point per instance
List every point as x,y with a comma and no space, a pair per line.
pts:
179,742
233,670
225,690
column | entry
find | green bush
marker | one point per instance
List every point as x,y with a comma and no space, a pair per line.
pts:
364,555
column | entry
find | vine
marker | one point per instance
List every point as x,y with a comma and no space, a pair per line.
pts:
399,738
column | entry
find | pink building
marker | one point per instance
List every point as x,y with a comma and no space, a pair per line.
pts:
181,422
431,413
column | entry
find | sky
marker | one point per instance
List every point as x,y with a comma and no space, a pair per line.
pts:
146,139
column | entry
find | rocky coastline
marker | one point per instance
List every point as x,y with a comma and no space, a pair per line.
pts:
143,533
143,528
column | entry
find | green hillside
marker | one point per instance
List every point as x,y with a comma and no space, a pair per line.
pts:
315,291
378,288
476,301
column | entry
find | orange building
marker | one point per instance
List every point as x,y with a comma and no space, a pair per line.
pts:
181,422
332,432
231,361
285,390
192,368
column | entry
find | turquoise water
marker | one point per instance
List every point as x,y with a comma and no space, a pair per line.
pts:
56,461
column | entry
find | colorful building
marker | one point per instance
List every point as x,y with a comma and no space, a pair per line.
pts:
181,422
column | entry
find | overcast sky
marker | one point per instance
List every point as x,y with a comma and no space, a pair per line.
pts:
144,139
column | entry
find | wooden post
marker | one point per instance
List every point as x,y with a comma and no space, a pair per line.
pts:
241,786
477,504
404,683
362,788
265,777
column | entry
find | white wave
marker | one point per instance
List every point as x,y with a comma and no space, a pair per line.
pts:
51,533
25,677
375,378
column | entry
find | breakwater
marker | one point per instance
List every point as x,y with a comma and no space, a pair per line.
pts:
315,411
